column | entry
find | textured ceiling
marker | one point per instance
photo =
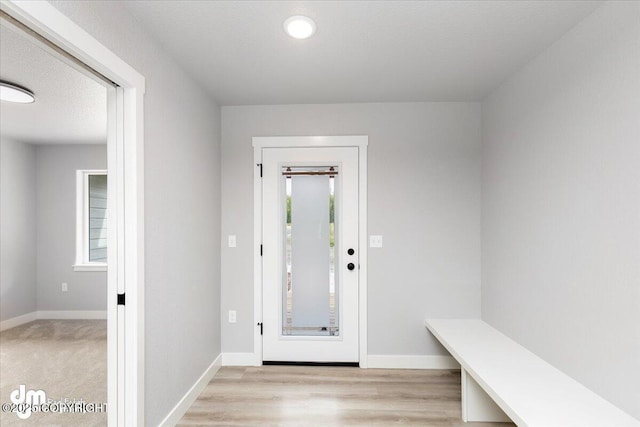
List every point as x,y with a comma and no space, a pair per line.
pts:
363,51
70,107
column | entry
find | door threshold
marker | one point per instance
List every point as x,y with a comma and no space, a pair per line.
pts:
287,363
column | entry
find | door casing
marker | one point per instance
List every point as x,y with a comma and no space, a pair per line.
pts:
359,141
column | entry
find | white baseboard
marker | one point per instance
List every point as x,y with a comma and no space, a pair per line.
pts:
52,314
72,314
187,400
411,362
18,320
240,359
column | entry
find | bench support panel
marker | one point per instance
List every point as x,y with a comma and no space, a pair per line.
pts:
477,405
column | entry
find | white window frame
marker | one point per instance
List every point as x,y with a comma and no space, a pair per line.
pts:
82,262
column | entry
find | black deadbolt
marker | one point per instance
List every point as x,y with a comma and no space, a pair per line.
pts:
351,252
351,266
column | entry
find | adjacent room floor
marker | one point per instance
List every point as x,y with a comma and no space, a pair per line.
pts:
65,358
329,396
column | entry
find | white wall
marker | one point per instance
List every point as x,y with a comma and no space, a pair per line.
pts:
561,205
182,209
56,167
424,198
17,229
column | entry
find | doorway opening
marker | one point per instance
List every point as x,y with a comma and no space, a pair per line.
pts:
125,274
53,232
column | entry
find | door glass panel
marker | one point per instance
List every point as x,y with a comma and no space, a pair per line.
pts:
309,282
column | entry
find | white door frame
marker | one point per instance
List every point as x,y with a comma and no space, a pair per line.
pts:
359,141
126,171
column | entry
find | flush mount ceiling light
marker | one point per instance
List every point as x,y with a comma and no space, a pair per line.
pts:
12,93
300,27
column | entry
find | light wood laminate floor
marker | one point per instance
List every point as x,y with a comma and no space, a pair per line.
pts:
329,396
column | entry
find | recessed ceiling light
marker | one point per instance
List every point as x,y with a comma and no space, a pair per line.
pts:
13,93
300,27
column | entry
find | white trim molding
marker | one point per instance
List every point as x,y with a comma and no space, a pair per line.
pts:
241,359
79,268
360,141
260,142
392,361
83,222
52,314
178,411
18,320
72,314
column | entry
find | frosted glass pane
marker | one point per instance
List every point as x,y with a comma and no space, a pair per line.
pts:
309,298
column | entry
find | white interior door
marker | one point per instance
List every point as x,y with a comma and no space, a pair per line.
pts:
310,254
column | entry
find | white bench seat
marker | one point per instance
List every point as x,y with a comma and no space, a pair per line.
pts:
529,390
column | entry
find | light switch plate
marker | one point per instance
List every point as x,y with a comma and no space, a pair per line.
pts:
375,241
232,240
232,316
